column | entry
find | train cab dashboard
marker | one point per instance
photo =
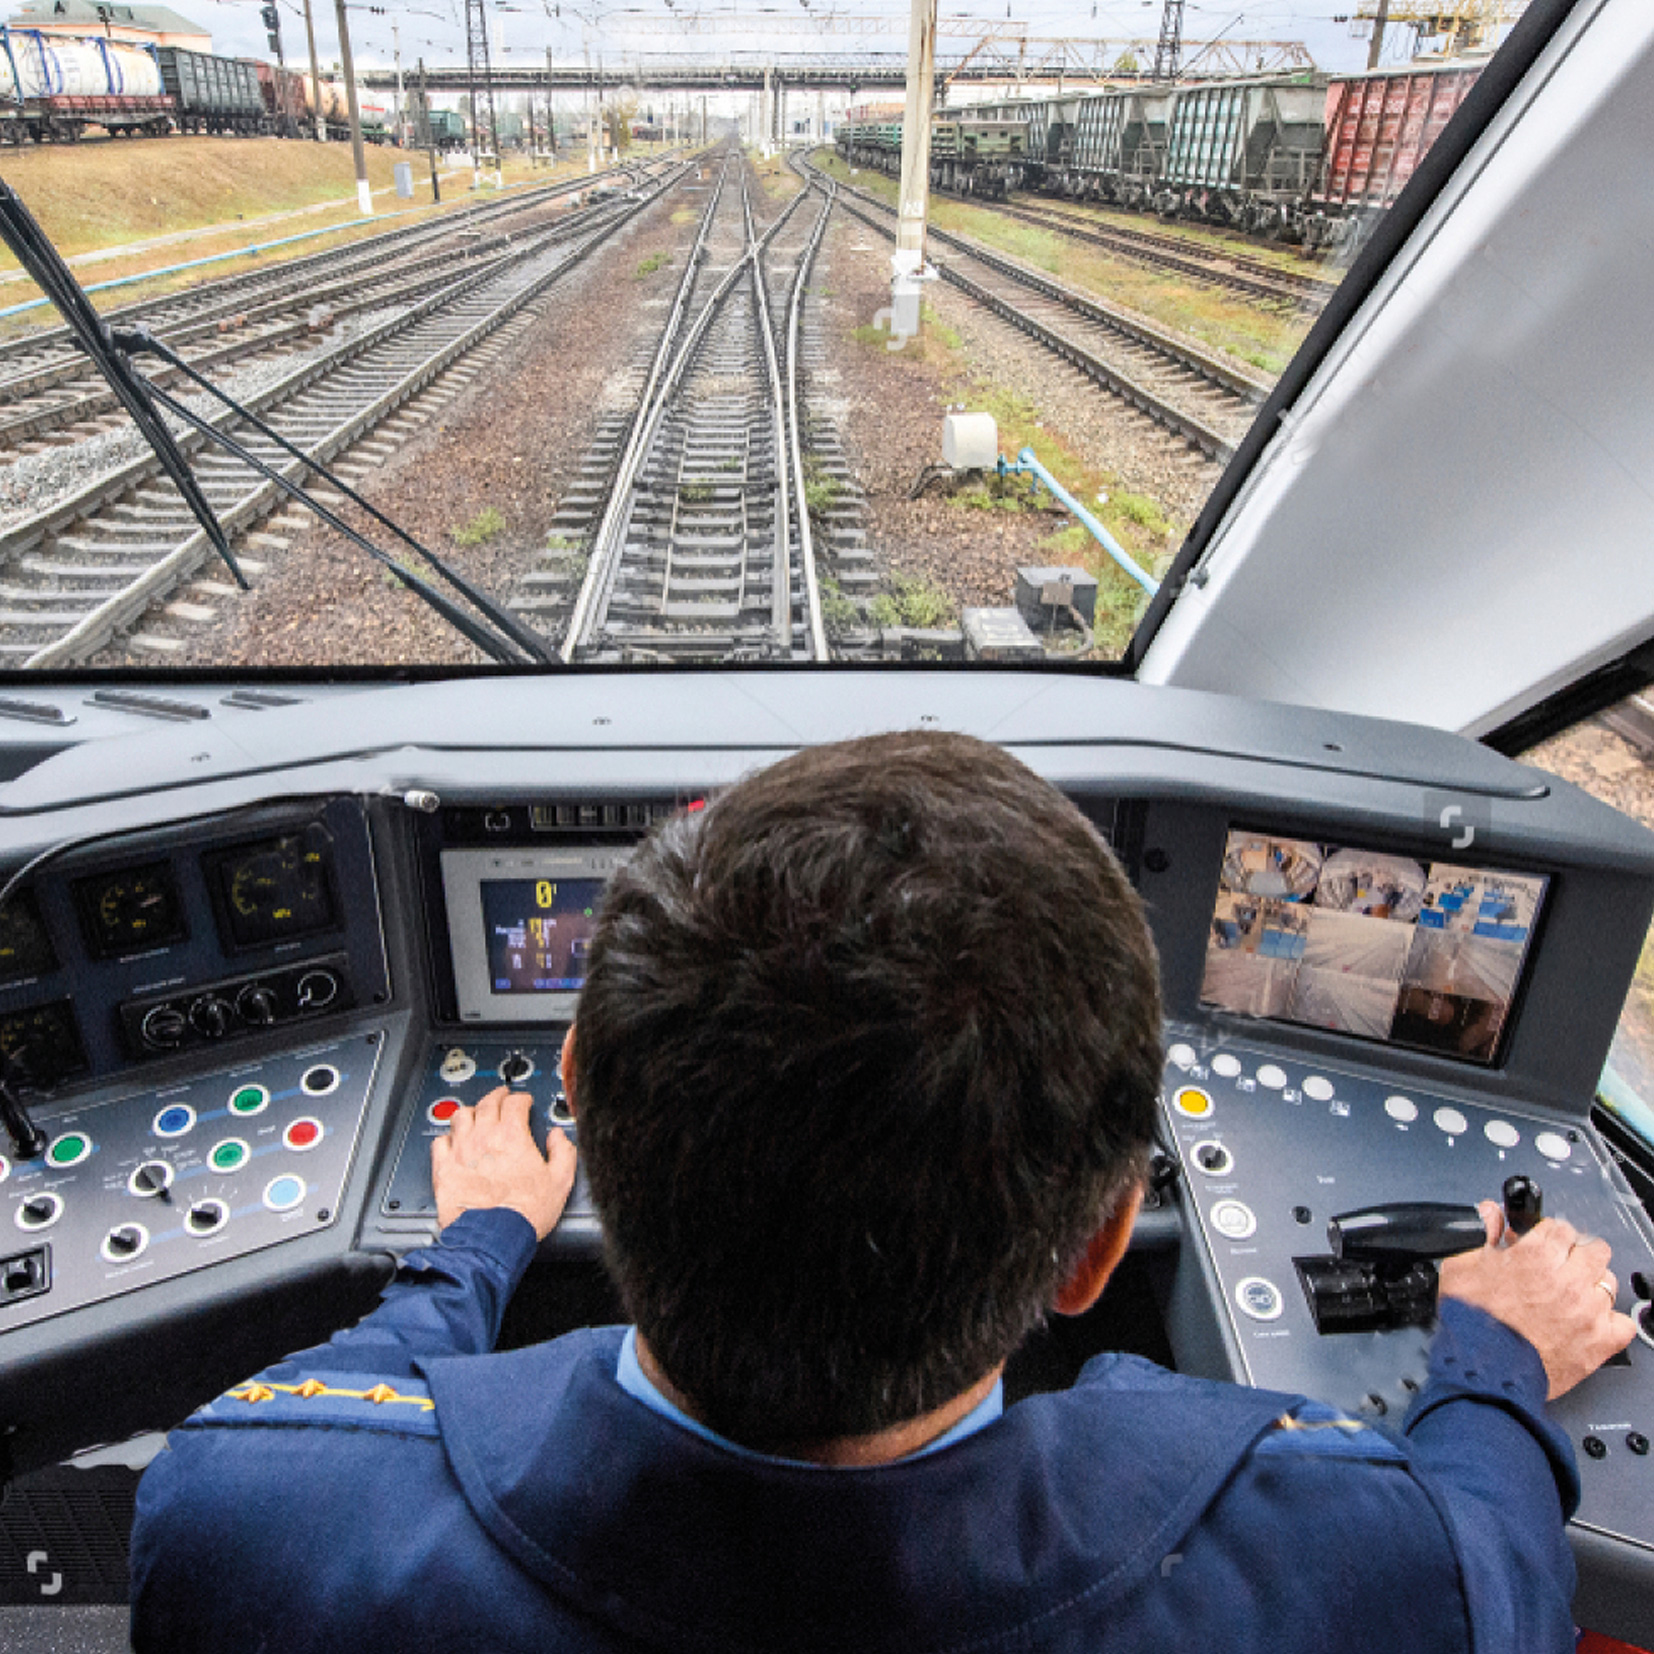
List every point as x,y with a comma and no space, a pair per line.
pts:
257,946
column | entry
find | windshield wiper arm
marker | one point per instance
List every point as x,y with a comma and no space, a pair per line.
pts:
46,268
136,339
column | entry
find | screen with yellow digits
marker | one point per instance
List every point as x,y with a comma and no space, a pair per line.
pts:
538,933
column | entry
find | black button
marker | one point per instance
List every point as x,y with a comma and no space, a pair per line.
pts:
22,1275
1301,1214
1637,1442
1596,1447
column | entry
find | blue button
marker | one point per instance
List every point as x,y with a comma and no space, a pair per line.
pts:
175,1120
283,1193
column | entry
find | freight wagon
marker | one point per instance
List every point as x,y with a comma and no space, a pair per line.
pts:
1308,159
211,94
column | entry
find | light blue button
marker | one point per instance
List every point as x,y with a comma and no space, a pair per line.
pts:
283,1193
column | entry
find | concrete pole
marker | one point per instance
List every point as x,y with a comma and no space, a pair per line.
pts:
591,117
1375,47
396,43
909,258
364,194
315,76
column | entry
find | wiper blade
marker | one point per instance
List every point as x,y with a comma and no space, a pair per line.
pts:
491,644
136,339
46,268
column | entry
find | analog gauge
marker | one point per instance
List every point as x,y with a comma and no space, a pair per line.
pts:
41,1046
274,889
129,911
25,948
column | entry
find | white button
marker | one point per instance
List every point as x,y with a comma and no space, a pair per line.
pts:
1552,1146
1319,1088
1451,1121
1403,1109
1272,1076
1226,1066
1502,1134
1181,1055
1233,1219
1259,1298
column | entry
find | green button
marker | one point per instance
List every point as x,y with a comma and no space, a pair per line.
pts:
227,1156
68,1149
249,1100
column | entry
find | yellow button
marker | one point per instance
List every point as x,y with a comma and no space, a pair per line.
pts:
1194,1102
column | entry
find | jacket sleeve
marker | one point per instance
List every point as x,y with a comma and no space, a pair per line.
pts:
1503,1477
446,1299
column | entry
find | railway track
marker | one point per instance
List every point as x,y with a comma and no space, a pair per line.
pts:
79,574
47,383
1199,398
1237,272
703,549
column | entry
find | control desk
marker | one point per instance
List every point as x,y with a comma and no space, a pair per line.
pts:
247,980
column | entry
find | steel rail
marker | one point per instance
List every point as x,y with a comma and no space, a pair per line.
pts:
781,585
1190,427
594,584
806,535
343,297
228,295
93,629
1230,379
608,544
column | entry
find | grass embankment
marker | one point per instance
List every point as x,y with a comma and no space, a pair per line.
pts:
1138,523
208,195
1255,337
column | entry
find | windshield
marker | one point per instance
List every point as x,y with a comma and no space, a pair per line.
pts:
592,335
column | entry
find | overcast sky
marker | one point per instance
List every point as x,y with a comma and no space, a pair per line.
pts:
432,28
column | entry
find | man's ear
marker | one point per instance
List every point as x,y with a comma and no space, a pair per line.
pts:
1085,1284
565,1067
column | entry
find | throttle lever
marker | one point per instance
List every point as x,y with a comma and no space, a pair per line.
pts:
1408,1232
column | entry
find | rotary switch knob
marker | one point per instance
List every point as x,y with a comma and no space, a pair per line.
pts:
126,1240
257,1005
212,1016
164,1028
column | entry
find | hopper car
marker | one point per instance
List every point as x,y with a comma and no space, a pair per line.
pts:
1307,158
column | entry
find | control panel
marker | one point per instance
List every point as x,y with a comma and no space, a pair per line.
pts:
1274,1147
157,1182
453,1076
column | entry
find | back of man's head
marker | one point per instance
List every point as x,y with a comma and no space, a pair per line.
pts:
866,1053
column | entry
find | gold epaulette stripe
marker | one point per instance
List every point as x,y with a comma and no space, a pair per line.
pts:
312,1387
1287,1422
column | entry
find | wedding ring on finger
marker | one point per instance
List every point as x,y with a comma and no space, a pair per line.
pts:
1610,1286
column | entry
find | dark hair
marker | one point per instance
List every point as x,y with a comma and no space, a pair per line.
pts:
866,1052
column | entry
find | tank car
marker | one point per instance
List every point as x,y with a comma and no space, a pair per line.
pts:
52,88
211,94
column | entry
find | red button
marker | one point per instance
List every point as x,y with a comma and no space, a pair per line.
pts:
303,1134
444,1109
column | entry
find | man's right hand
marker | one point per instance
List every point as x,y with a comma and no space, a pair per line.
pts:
1553,1286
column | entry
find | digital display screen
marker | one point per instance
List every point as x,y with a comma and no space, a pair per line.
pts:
1413,952
25,948
538,933
274,889
128,911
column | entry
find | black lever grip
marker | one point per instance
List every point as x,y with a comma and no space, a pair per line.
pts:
1524,1204
1405,1233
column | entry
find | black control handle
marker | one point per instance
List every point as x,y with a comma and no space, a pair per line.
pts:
1524,1204
1410,1232
1405,1233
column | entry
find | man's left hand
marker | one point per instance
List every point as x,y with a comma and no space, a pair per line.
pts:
489,1158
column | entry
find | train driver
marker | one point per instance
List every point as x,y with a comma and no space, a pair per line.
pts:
866,1071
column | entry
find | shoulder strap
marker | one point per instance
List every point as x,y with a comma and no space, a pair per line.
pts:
352,1401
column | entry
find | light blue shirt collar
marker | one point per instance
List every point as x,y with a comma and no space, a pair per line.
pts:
630,1376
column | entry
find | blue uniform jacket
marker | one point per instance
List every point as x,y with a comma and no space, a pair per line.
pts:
401,1489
